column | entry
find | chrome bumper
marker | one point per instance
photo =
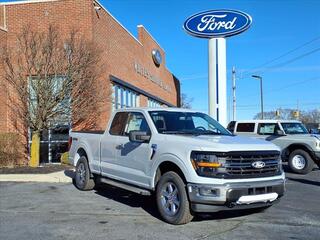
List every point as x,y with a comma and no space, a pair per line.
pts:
208,198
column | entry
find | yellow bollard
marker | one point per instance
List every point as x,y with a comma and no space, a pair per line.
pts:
35,150
65,158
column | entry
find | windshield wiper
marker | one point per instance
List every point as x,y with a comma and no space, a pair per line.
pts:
208,132
177,132
196,133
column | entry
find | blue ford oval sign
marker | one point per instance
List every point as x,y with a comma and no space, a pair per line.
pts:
217,23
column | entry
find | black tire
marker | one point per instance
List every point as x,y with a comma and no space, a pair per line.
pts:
305,156
83,180
182,213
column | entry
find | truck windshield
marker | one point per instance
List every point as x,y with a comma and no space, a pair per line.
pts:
294,128
195,123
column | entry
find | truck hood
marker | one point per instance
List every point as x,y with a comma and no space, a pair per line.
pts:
304,136
225,143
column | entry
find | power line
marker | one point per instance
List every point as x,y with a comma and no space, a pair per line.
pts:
254,106
267,91
248,72
269,106
293,84
285,63
284,54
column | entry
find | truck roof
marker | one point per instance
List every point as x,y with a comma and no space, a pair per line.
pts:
146,109
268,121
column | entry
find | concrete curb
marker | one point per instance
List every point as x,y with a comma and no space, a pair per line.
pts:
56,177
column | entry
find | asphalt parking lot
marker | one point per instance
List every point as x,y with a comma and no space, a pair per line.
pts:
60,211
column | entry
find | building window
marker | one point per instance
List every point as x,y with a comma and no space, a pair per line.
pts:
124,98
153,103
54,140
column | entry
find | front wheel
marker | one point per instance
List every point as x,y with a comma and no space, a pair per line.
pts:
300,162
172,199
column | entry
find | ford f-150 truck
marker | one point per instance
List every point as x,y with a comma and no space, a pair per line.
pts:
187,159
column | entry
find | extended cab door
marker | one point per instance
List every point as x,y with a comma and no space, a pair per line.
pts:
133,158
108,145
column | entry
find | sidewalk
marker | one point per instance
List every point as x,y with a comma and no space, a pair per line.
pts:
56,177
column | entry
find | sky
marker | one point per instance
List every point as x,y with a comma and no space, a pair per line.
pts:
282,45
278,27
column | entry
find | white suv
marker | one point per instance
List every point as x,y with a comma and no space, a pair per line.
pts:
300,148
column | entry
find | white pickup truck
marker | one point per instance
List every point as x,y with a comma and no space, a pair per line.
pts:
187,159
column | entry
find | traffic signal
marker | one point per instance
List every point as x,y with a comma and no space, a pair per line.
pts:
296,114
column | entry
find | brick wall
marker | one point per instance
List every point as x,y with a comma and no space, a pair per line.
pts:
2,17
3,88
120,50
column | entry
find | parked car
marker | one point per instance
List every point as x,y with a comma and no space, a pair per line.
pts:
314,131
187,159
300,148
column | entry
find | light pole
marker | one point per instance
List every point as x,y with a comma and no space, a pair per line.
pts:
261,93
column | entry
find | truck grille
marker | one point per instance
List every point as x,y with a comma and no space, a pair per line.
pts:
240,164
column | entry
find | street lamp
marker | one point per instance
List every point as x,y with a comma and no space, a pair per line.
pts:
261,93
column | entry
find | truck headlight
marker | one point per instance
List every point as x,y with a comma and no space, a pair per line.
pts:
207,165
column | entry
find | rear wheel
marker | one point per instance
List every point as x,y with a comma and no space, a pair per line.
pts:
83,180
172,199
300,162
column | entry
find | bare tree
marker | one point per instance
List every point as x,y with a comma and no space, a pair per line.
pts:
284,114
53,79
311,116
186,101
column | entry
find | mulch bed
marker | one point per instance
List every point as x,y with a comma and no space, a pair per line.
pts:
48,168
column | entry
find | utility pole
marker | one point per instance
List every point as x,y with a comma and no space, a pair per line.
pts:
261,93
298,112
234,93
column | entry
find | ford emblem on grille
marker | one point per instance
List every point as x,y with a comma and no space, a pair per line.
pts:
258,164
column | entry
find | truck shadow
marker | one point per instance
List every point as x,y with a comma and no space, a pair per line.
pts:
304,181
70,173
287,169
226,214
148,204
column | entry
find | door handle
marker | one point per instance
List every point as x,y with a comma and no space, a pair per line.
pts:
119,147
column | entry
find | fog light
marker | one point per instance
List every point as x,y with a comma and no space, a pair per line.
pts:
205,191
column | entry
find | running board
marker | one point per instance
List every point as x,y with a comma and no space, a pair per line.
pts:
125,186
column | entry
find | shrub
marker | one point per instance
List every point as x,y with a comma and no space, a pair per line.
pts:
11,150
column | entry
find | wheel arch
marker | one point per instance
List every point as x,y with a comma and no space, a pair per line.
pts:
81,151
295,146
167,165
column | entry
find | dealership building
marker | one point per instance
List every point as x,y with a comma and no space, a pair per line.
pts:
135,66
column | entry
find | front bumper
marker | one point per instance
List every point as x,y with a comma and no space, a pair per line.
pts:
211,198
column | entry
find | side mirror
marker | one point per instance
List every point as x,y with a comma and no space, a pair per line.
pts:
139,136
280,133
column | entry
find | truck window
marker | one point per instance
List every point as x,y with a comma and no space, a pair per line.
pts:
267,128
201,123
136,122
245,127
118,123
294,128
169,122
